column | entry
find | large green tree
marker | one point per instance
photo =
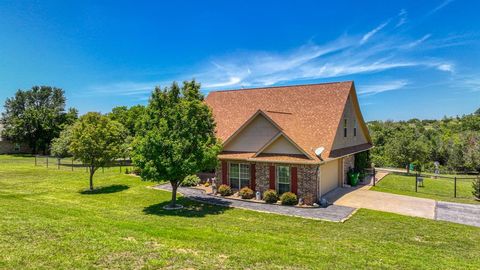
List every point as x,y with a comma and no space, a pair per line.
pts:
36,116
96,140
129,117
177,137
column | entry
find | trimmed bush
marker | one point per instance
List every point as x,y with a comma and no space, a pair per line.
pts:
191,181
270,196
224,190
288,198
246,193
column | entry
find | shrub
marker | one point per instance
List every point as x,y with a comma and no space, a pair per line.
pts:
270,196
136,171
246,193
207,184
190,181
225,190
476,188
288,198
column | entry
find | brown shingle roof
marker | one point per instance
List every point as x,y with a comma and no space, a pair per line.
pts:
308,114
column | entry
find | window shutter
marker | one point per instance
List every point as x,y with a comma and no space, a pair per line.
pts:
272,177
224,172
253,177
294,180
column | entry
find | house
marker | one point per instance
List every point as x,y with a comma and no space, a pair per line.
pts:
9,147
300,138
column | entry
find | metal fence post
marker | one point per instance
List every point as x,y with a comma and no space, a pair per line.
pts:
72,164
416,182
455,187
35,160
47,161
58,163
374,176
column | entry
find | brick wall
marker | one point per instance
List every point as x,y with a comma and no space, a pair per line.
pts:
307,177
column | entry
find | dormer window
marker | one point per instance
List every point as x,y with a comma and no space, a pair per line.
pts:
345,127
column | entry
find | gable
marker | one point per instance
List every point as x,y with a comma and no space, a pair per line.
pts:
308,115
354,118
282,146
252,137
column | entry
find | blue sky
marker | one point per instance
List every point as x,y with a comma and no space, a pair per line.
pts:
408,58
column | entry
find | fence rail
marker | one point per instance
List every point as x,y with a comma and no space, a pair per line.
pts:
72,164
453,186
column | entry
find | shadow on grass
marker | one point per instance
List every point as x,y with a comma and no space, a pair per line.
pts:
190,209
105,190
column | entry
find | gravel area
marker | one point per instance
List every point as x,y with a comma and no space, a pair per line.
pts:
334,213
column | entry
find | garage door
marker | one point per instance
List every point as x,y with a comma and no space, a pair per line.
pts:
329,176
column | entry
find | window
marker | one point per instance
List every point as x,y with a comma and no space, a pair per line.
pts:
283,179
239,175
345,127
354,128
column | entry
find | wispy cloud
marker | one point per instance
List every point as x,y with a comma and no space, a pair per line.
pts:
418,41
437,8
370,34
340,57
445,67
383,87
402,18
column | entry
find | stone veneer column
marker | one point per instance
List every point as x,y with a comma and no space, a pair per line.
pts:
307,183
262,176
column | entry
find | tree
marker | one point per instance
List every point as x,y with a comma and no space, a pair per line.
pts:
36,116
128,117
477,112
60,146
96,141
177,138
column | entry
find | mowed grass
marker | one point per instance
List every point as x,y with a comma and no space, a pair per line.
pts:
441,189
48,222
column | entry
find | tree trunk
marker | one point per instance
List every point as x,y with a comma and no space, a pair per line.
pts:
92,171
174,184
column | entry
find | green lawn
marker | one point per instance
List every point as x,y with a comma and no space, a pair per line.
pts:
46,222
441,189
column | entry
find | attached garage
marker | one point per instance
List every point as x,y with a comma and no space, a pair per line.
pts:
329,178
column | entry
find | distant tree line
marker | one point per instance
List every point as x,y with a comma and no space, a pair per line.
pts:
171,138
36,116
454,142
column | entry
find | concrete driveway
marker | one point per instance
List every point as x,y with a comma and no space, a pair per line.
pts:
459,213
362,197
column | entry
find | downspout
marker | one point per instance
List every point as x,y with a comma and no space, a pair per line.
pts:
319,187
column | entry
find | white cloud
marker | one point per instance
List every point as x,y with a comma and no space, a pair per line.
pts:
445,67
437,8
402,17
418,41
341,57
383,87
368,35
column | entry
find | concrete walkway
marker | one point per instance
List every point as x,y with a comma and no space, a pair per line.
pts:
362,197
336,213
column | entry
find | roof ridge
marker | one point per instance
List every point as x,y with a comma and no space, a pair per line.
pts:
280,86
